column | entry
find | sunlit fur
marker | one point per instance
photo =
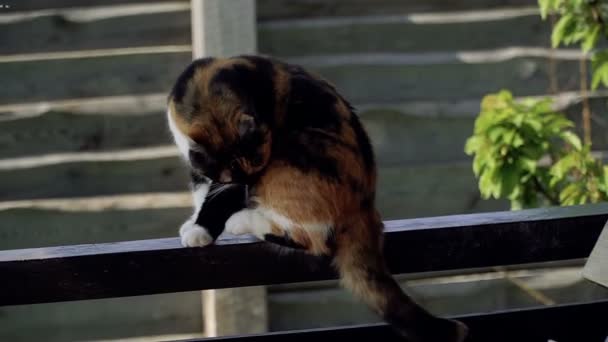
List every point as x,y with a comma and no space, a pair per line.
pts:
296,143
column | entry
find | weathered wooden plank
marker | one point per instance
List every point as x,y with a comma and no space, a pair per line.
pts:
333,306
154,152
369,82
569,322
418,245
429,190
95,179
68,132
397,136
88,77
284,9
28,228
407,192
398,131
30,5
392,82
390,36
162,316
59,33
403,191
293,308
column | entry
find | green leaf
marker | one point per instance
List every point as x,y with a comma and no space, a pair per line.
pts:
546,6
509,178
555,122
600,69
517,204
572,139
605,176
478,165
518,141
486,186
561,168
527,164
472,145
569,194
535,124
590,39
532,151
496,133
563,28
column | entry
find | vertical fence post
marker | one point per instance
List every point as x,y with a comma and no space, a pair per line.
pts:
223,28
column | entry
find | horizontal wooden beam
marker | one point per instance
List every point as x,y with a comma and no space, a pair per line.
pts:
291,9
569,322
159,266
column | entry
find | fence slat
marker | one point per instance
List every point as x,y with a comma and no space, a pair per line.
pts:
563,323
160,266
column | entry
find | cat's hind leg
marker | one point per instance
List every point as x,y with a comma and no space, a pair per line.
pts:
269,225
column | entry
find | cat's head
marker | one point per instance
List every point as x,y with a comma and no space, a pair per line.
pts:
221,115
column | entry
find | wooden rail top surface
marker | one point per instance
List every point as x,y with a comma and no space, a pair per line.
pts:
129,268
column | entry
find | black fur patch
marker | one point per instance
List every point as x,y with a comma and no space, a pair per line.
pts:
283,241
331,242
196,178
368,201
311,104
181,84
218,208
311,126
204,164
249,146
367,152
253,86
309,153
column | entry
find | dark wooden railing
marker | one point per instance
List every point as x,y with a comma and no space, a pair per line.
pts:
65,273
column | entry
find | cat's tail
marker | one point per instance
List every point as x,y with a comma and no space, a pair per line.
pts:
363,271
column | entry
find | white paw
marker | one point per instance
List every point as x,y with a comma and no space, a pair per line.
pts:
194,235
186,226
238,224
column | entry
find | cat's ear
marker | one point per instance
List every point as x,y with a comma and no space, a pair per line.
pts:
246,125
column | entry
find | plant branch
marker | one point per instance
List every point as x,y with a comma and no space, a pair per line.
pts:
553,85
586,107
540,188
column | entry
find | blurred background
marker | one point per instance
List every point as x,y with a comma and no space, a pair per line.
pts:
86,156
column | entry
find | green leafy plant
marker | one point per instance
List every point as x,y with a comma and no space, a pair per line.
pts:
528,153
581,22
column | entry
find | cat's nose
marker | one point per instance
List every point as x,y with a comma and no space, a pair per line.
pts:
226,176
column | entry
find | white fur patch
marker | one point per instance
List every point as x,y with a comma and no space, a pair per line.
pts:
181,140
322,228
280,220
248,221
258,222
194,235
287,224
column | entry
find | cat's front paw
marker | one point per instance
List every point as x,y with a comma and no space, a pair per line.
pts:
238,223
194,235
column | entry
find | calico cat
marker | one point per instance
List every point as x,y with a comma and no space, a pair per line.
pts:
296,143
